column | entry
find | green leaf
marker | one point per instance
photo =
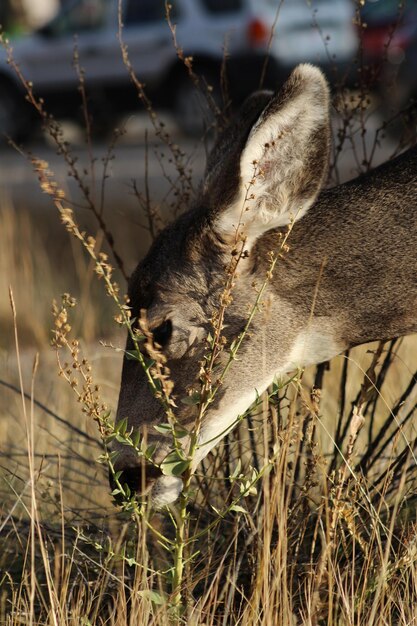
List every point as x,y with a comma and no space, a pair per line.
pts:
236,471
121,426
238,509
167,429
150,451
194,398
132,355
136,438
174,464
164,429
154,596
180,433
126,491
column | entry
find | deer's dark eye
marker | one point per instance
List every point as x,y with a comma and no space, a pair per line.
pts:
162,333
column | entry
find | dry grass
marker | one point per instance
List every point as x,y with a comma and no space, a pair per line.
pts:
311,550
326,536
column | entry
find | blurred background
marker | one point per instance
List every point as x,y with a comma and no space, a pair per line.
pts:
226,48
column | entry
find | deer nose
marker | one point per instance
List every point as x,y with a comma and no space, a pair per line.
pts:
138,478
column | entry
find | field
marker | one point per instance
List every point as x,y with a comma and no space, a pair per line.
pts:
306,514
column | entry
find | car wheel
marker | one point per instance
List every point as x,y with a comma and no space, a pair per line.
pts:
193,111
9,112
16,121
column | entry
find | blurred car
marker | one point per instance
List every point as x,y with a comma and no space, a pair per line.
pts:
389,43
243,32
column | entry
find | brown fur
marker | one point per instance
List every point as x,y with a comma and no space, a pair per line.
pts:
351,271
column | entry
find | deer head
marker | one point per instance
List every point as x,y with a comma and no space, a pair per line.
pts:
264,174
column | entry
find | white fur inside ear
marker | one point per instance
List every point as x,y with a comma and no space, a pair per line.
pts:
273,162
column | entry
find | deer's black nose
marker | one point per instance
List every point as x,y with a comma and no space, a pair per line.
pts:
138,478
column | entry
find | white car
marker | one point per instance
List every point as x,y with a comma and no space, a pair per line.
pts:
253,39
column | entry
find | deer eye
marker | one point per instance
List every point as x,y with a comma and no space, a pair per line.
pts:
162,333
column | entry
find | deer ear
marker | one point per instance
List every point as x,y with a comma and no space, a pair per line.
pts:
284,162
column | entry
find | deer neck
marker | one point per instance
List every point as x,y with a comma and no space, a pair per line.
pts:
351,262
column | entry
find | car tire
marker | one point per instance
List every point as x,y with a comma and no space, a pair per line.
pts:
193,111
15,115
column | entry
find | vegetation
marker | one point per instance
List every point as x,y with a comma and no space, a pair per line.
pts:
305,514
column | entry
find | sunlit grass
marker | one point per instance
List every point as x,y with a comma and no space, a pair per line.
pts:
323,538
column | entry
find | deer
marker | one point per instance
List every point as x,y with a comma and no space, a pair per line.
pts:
348,278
